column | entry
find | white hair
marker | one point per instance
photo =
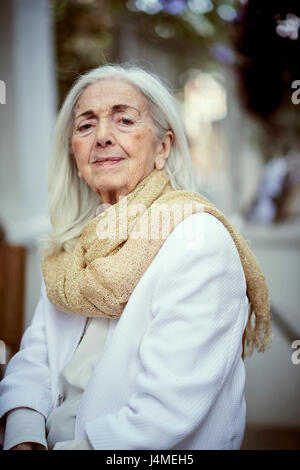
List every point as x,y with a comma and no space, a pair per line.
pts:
72,202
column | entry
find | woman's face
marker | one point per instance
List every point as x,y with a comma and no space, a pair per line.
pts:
113,139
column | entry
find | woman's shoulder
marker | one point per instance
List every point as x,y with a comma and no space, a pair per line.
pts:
200,230
199,258
201,242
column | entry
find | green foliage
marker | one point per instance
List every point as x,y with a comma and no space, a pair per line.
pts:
87,33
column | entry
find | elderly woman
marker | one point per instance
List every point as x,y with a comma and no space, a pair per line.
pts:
150,296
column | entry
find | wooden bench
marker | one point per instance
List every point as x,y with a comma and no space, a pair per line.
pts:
12,289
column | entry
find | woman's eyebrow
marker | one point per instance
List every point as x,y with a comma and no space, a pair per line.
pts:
115,108
89,112
124,107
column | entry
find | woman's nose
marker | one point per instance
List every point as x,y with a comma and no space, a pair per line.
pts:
103,136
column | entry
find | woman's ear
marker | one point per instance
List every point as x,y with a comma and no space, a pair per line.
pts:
163,150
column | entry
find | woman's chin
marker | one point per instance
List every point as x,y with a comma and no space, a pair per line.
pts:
110,184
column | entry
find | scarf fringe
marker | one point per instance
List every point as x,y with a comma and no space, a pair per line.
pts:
258,333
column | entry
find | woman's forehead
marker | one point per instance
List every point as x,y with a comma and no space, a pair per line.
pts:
110,92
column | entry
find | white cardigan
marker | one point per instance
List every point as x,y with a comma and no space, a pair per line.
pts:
171,374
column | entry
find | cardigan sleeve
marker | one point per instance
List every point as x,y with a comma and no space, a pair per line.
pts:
191,346
24,425
28,370
76,444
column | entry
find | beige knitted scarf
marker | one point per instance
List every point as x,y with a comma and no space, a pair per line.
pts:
116,247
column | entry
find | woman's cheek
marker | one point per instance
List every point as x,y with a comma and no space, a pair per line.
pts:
80,148
76,144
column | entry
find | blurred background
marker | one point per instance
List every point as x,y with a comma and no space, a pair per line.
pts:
234,67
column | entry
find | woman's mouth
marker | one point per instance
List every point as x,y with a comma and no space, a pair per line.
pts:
108,161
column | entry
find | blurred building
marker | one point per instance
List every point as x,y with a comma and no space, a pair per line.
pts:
27,68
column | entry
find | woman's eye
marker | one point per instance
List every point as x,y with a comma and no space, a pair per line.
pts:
126,121
84,127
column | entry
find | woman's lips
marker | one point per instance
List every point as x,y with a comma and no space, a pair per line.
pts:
108,161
